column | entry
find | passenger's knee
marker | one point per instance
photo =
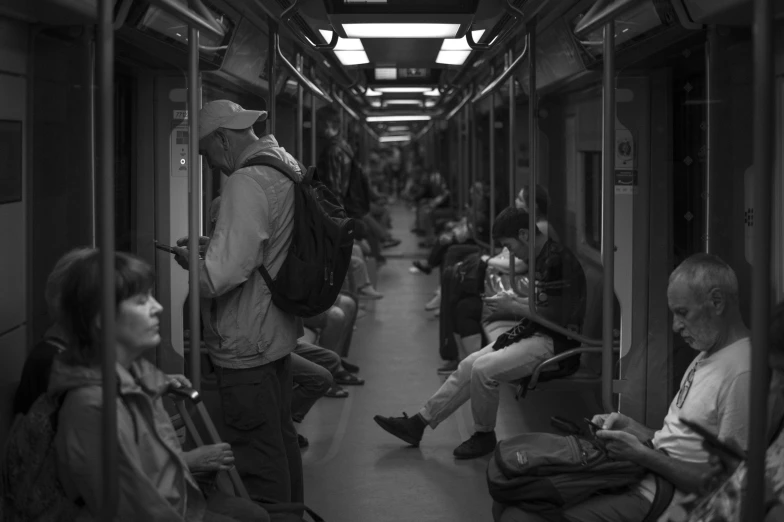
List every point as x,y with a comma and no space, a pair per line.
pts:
482,368
336,315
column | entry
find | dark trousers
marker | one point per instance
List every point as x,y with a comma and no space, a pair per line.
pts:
312,368
256,404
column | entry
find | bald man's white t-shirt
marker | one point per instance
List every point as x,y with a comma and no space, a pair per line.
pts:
716,396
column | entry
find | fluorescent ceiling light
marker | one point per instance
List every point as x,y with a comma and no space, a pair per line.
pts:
452,57
461,44
386,139
401,30
386,73
397,128
352,57
403,102
409,117
434,92
375,103
371,92
430,103
344,44
402,89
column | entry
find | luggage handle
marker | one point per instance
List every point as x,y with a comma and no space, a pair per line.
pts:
180,395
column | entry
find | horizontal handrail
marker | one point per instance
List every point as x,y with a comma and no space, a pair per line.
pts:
602,12
460,105
286,17
301,78
343,104
560,357
493,86
204,22
424,131
370,131
516,15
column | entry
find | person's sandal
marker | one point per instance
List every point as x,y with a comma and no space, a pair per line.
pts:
336,392
348,379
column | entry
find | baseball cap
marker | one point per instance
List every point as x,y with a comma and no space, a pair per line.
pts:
228,115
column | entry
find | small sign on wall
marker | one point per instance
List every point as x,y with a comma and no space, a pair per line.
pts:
178,149
10,161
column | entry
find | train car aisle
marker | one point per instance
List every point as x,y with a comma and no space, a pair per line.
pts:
356,472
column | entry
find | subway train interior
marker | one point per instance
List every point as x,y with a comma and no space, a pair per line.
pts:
647,131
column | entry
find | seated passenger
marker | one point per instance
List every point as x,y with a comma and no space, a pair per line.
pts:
155,482
516,353
336,328
35,373
714,392
723,501
501,261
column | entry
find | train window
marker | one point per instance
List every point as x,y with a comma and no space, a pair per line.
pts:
592,200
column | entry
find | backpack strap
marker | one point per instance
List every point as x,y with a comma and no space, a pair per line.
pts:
266,160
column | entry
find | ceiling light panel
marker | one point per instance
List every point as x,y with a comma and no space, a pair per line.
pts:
344,44
397,128
434,92
452,57
387,139
403,102
371,92
352,57
401,30
409,117
403,89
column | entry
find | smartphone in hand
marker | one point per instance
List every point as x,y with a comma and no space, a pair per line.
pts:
165,248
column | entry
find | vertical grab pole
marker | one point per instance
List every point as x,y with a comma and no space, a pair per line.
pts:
512,156
491,145
300,113
194,302
532,163
106,231
272,60
312,128
764,131
474,159
608,212
711,50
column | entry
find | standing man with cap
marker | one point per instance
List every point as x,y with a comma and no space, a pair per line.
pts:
249,339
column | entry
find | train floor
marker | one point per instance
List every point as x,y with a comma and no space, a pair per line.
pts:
355,471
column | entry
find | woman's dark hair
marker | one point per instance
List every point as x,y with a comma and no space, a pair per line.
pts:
509,223
80,300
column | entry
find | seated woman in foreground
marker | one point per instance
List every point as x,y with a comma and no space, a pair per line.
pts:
155,482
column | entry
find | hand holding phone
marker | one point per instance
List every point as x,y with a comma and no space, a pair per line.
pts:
165,248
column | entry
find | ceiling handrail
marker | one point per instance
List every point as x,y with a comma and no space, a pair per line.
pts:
516,15
462,103
602,12
204,22
492,86
349,110
286,17
424,131
301,78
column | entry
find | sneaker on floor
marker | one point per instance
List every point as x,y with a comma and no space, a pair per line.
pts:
405,428
448,368
368,292
479,445
303,442
434,303
422,267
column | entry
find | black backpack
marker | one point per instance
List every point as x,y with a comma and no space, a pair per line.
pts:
545,473
312,275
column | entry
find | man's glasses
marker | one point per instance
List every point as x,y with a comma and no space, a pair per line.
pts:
686,387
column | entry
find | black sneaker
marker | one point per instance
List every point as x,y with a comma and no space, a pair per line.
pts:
422,267
405,428
448,368
479,445
303,442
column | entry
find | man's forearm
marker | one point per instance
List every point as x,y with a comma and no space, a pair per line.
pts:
686,476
